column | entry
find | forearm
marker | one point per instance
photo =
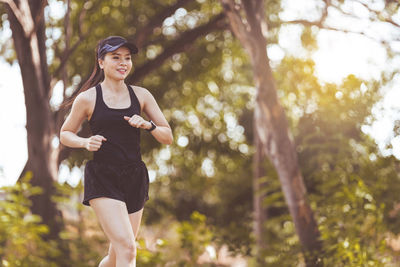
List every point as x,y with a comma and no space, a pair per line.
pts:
163,134
70,139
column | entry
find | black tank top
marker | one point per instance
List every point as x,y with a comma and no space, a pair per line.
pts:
123,140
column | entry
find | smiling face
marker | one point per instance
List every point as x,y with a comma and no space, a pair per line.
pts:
117,64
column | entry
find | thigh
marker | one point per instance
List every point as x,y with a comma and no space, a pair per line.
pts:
135,219
114,220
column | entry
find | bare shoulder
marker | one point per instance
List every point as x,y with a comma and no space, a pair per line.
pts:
144,96
141,91
86,101
87,96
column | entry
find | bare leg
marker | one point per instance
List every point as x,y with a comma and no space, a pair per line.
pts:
135,219
114,220
110,259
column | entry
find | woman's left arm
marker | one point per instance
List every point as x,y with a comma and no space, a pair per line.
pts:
162,132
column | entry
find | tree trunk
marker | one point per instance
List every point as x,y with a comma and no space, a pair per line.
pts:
271,126
28,32
260,211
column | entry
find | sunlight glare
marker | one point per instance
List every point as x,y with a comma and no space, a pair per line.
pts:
341,54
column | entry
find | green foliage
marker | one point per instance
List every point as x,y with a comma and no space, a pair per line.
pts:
204,179
350,186
280,234
194,236
205,103
21,242
147,258
199,90
308,38
181,245
86,241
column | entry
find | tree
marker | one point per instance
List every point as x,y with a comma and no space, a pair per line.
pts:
385,12
184,71
271,128
28,27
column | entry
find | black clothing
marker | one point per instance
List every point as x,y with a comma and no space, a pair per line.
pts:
123,140
117,170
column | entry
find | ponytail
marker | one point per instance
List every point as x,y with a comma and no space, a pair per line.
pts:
95,78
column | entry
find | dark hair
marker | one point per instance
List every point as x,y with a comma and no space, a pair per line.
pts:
96,77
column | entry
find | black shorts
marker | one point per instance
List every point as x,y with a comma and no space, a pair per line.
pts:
128,183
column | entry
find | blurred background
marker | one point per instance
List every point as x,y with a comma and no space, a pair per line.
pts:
286,124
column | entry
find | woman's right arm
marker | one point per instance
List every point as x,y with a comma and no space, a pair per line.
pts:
78,114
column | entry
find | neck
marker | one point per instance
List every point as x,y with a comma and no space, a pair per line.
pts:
113,85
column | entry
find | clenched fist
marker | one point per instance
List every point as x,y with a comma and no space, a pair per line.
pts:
94,142
138,122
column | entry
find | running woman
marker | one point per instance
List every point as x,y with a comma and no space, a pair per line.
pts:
116,180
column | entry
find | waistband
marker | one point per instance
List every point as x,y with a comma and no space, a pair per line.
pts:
121,168
116,161
124,164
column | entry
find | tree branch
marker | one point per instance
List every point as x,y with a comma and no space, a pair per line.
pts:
18,14
177,46
238,26
39,16
250,11
157,21
255,16
324,27
68,52
68,32
384,18
24,16
319,23
187,37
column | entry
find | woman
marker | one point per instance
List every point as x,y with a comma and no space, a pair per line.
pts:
116,180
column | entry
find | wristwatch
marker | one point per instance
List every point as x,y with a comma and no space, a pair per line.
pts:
153,126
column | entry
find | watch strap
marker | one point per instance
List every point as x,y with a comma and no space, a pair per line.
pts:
153,126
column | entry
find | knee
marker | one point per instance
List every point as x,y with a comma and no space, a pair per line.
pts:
126,249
